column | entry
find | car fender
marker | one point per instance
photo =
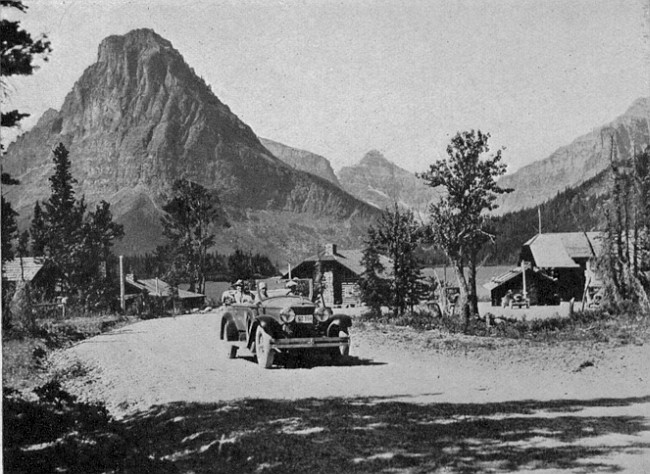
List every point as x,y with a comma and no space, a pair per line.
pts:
342,322
268,323
224,319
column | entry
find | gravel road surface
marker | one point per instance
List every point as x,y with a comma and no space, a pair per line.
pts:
181,359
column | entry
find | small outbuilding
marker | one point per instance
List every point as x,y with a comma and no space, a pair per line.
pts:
541,289
565,256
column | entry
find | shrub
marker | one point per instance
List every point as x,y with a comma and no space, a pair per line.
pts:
583,325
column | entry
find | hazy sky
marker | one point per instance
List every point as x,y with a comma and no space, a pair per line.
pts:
340,78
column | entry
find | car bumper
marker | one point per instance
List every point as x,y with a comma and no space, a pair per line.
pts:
310,342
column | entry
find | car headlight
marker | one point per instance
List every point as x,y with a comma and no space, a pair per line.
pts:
287,315
322,314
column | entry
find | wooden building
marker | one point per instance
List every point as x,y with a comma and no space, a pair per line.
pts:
23,269
341,270
564,256
541,289
155,288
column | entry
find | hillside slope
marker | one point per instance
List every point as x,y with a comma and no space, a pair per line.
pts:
579,161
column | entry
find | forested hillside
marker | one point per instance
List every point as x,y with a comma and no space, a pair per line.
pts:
573,210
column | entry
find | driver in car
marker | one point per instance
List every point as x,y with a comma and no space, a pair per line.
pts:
292,288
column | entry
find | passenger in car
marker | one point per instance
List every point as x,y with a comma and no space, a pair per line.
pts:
262,292
292,288
242,296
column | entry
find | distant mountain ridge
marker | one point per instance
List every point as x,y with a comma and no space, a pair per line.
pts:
579,161
302,160
138,119
380,182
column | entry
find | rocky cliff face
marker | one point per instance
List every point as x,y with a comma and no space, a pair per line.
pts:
140,118
573,164
302,160
379,182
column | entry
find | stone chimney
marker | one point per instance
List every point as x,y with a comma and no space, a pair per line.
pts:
330,249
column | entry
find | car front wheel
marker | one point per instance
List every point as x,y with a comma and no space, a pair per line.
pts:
265,354
337,353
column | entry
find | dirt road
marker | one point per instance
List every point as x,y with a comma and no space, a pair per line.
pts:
180,359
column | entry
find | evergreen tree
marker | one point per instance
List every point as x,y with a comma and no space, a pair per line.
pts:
38,231
372,286
626,254
18,49
190,214
63,218
75,244
9,230
397,236
239,265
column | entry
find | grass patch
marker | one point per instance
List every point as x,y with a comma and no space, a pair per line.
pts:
598,326
24,353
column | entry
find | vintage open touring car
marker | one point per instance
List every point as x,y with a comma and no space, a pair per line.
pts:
282,324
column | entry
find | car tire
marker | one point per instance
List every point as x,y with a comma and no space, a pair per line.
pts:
263,351
337,353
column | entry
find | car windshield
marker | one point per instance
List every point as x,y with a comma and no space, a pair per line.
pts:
285,301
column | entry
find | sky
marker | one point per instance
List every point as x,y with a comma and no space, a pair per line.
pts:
343,77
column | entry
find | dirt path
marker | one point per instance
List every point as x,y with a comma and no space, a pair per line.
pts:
180,359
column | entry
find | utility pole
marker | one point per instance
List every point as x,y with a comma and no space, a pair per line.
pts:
122,297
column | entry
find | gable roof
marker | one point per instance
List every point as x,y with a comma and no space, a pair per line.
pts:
158,287
11,270
350,259
511,274
560,250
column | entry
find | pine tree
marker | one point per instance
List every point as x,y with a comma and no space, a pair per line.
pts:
38,231
18,49
75,244
190,214
9,230
372,286
397,236
63,218
626,254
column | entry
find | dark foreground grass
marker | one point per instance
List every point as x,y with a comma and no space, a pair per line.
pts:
58,434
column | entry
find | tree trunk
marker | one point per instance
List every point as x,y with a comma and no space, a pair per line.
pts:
463,300
473,298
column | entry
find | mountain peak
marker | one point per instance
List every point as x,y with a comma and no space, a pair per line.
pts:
140,118
375,158
139,40
639,107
